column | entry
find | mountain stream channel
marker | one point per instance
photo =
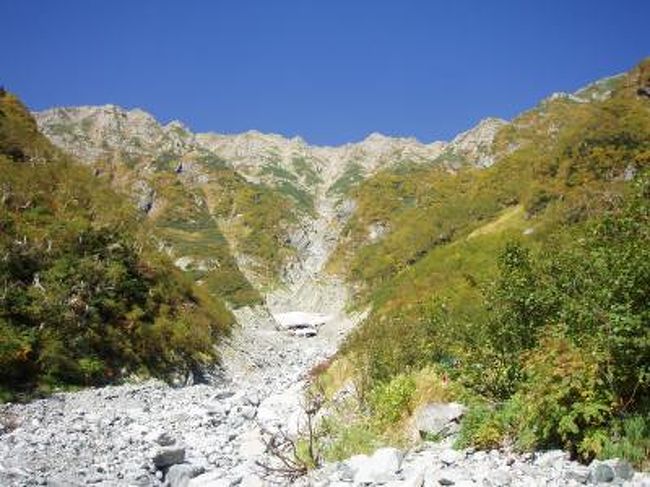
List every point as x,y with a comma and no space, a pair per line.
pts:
149,433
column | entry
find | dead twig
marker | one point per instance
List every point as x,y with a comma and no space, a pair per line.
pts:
287,459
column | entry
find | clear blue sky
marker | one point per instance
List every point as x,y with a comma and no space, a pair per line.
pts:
331,71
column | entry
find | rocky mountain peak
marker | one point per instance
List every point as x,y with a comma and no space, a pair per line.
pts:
474,145
112,132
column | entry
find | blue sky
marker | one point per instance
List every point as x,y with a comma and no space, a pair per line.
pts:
331,71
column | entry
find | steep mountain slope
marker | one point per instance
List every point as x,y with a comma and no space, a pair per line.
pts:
185,191
438,256
86,297
289,190
507,269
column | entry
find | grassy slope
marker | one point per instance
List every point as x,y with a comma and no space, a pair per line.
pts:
183,222
548,175
86,297
192,214
557,166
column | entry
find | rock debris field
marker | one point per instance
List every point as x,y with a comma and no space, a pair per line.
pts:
152,434
210,434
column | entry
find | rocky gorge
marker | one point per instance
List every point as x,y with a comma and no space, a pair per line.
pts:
197,434
217,428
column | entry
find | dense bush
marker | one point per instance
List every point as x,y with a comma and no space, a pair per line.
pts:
391,401
526,283
84,296
629,437
570,345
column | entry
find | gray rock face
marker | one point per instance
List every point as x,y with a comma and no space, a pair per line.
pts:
144,196
475,145
379,468
111,132
437,419
437,464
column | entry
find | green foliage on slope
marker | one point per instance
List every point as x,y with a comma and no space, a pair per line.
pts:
84,296
305,170
185,224
254,219
20,139
294,186
193,184
564,348
512,330
352,175
212,219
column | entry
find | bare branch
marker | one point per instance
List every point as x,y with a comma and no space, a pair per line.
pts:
284,450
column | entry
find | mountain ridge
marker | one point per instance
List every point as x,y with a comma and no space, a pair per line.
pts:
66,126
462,267
310,185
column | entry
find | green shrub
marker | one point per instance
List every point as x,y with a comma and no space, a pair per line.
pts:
86,298
481,427
629,438
92,369
349,438
564,400
391,401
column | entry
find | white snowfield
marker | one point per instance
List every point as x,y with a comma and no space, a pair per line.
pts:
300,319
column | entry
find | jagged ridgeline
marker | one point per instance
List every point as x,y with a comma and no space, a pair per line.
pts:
525,283
203,210
263,192
86,296
256,189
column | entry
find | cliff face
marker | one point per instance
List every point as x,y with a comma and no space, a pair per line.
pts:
108,132
279,202
416,228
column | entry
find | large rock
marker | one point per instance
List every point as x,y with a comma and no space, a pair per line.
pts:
610,470
437,419
601,473
381,467
622,468
283,411
168,456
181,474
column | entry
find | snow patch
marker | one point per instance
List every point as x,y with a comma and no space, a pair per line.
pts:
300,319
